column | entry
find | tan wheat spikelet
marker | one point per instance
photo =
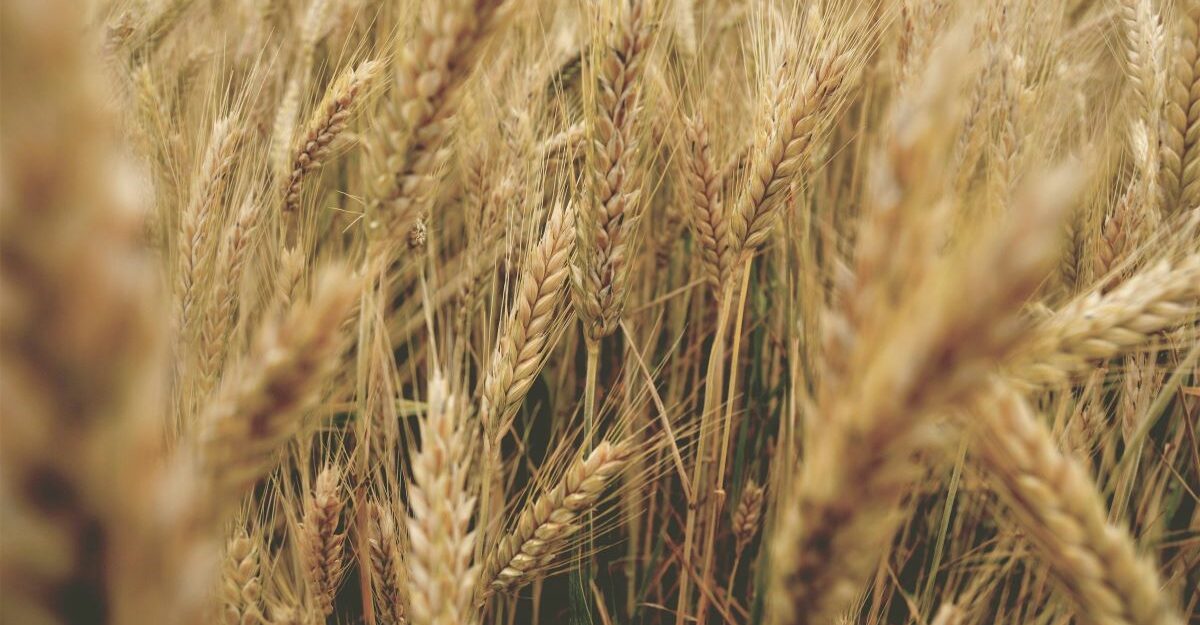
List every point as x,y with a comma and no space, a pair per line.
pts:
747,514
827,541
705,216
1064,516
546,523
429,72
259,407
321,544
197,236
284,126
1143,41
799,111
79,335
1179,151
221,315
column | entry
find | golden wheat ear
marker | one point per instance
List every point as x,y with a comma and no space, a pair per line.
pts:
1062,513
441,572
261,406
545,524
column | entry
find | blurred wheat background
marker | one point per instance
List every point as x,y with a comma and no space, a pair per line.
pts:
454,312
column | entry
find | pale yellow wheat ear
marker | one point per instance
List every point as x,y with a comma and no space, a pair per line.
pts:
241,581
218,322
705,212
905,201
1179,150
198,239
1064,516
299,77
803,103
441,574
260,406
544,526
606,218
80,337
841,509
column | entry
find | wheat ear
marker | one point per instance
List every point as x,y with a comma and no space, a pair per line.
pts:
1179,151
284,126
799,111
527,335
259,407
321,544
545,525
1061,512
241,587
219,318
605,222
747,514
196,234
703,187
387,567
79,332
842,508
314,147
440,572
428,76
1095,327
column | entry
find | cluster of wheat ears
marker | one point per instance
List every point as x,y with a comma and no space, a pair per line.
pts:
454,312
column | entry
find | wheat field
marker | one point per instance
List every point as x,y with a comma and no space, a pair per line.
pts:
682,312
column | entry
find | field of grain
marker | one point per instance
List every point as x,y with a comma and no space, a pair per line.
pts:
600,312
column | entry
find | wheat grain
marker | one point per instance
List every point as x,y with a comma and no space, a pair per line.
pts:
529,332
